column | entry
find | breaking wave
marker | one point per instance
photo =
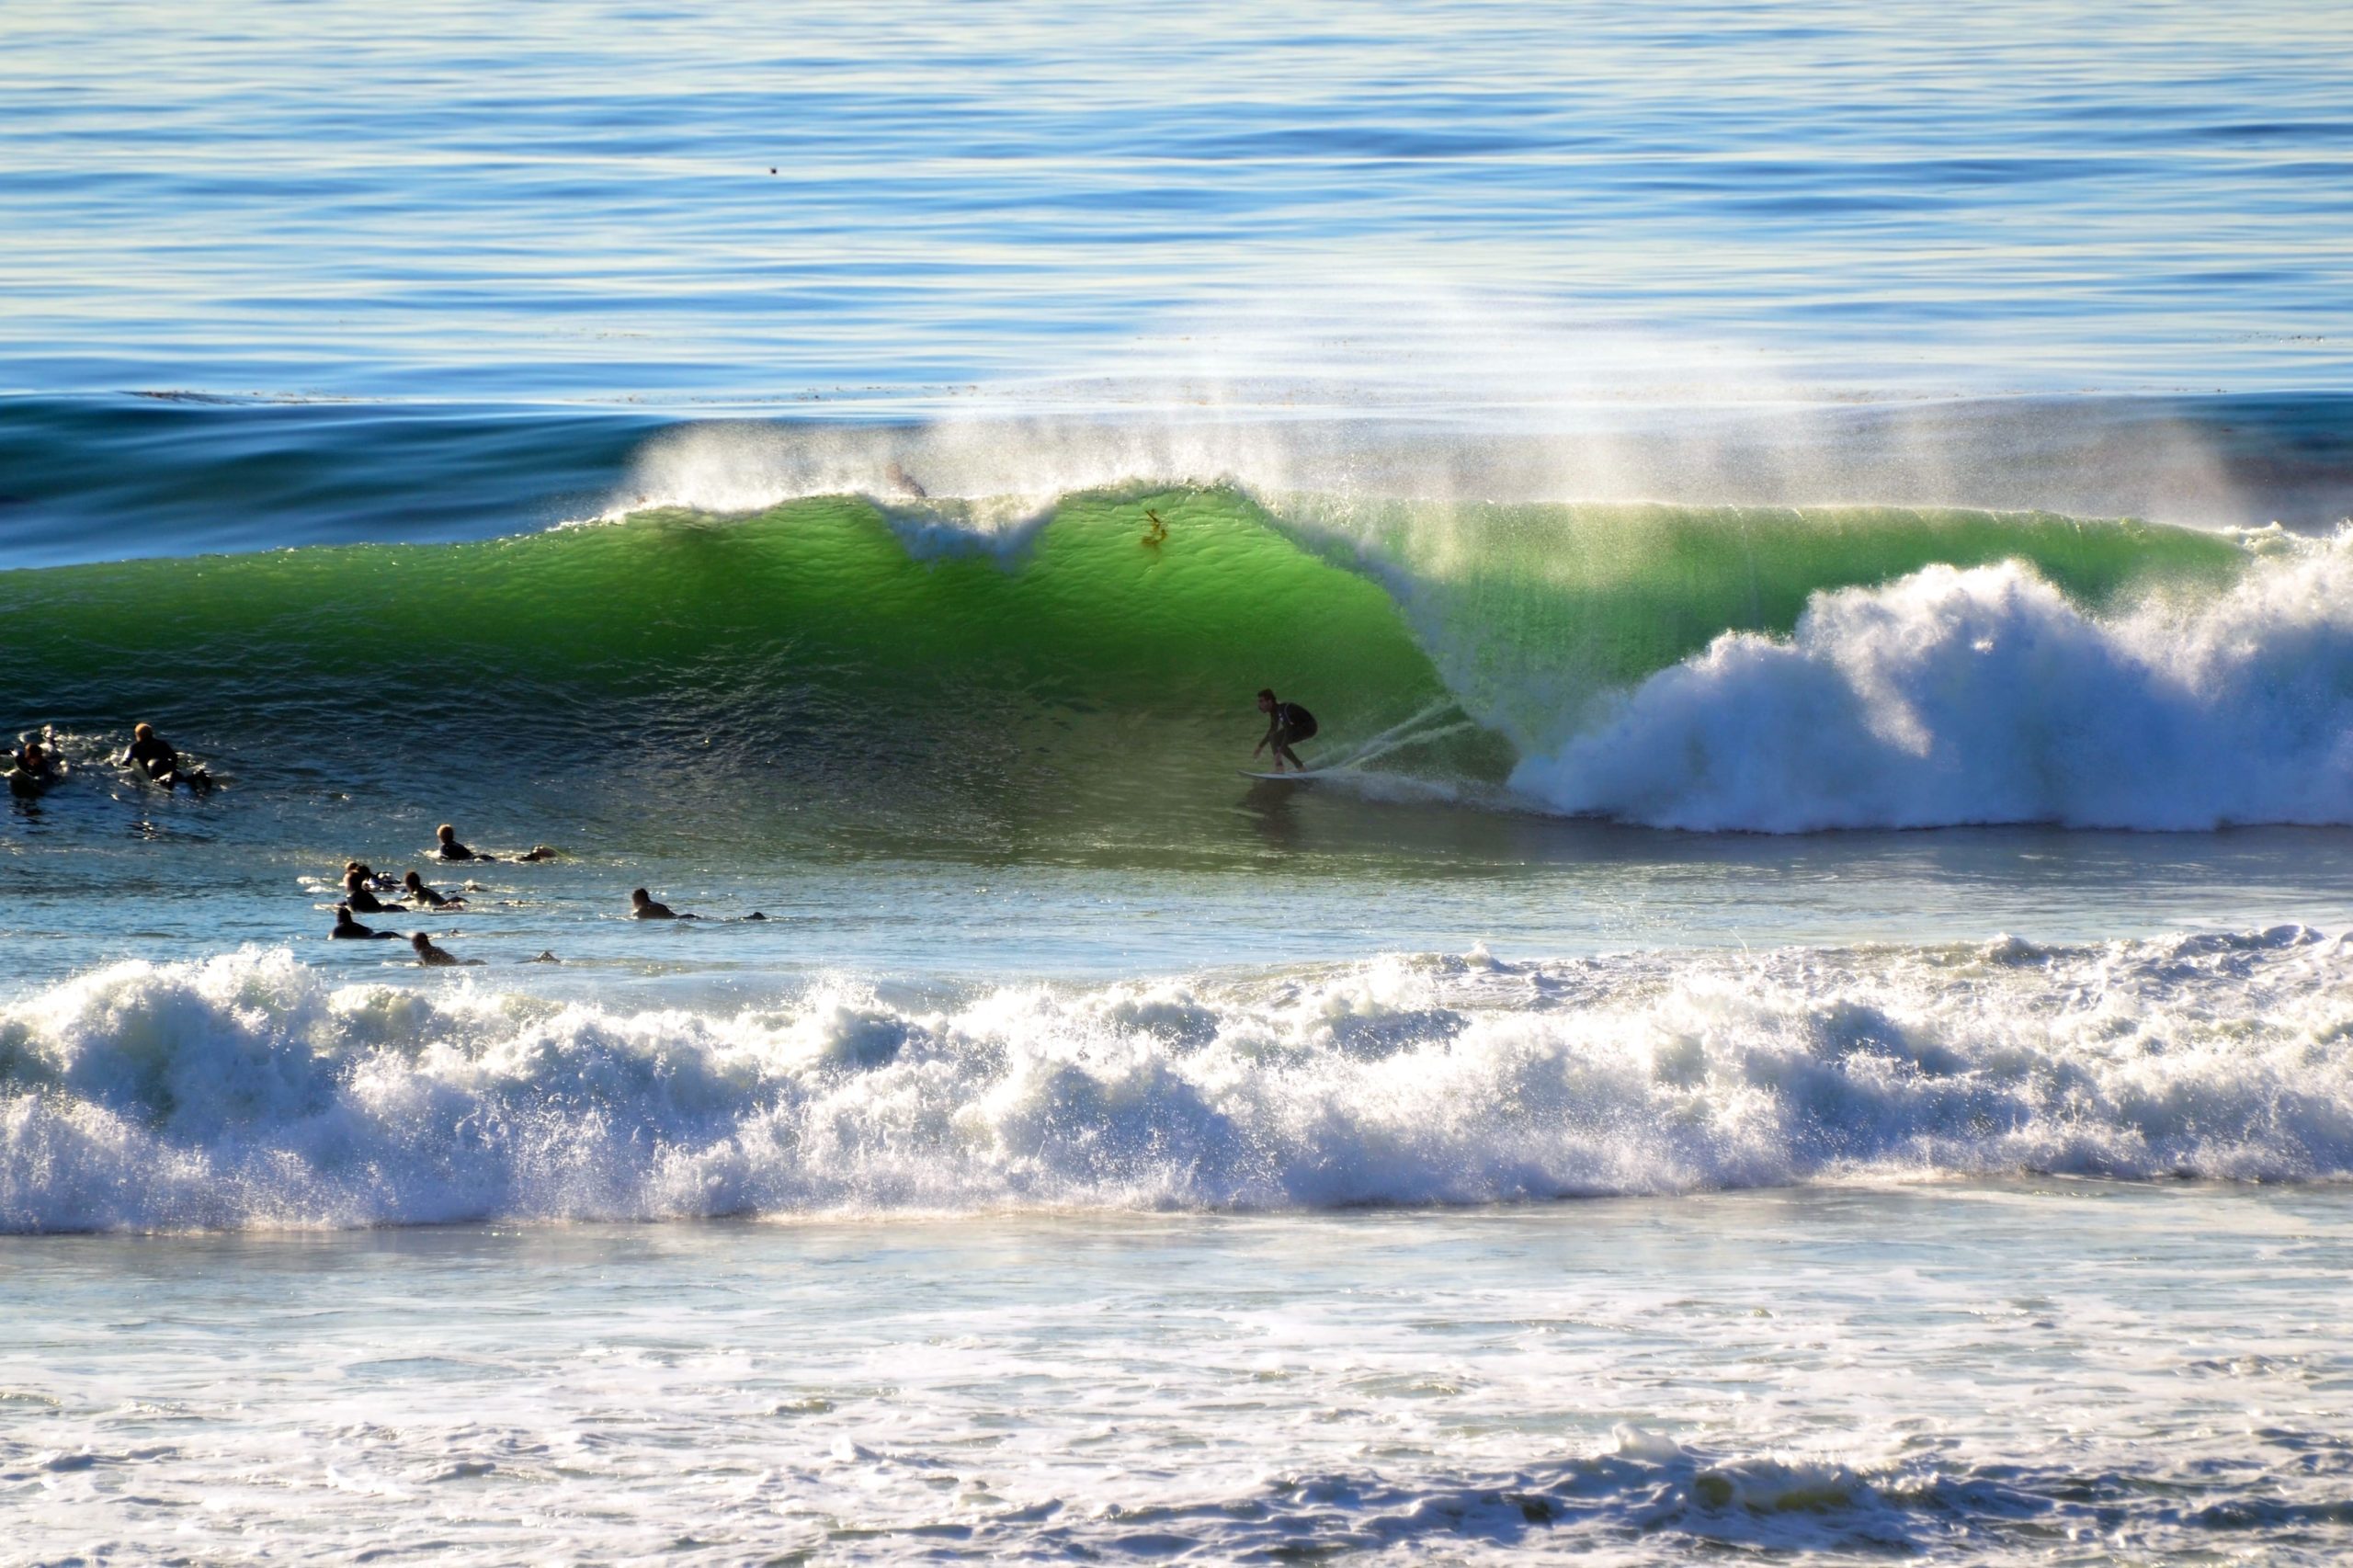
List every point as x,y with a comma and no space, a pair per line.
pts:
1988,696
250,1091
928,663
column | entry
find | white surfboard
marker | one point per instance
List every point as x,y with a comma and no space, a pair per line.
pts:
1284,778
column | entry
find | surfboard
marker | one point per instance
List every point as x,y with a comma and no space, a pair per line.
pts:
1283,778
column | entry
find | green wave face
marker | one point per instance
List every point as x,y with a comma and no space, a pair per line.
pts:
826,672
799,673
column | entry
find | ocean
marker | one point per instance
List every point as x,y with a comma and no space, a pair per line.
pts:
1802,1012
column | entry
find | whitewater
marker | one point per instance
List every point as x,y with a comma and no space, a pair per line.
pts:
247,1091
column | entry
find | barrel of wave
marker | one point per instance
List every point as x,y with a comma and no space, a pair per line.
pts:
863,664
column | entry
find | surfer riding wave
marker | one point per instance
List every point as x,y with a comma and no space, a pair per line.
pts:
1286,723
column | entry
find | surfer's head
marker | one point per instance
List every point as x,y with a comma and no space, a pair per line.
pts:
638,898
411,882
1266,699
445,832
143,732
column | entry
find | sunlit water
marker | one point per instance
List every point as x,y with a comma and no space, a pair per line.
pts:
2028,1372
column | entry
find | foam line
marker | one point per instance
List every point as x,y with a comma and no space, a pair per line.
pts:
248,1091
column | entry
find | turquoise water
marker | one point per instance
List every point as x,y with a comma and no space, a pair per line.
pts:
1804,1012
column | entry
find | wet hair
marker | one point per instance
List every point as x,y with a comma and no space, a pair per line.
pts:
445,830
140,732
419,940
639,895
1266,694
412,881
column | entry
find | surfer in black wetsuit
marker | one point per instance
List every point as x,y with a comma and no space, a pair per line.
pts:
152,755
358,895
346,926
35,759
432,957
449,848
425,898
1286,723
643,906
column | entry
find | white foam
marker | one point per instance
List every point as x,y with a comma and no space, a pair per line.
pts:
247,1091
1987,696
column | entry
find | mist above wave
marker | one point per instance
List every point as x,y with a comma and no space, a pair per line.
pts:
2211,462
247,1091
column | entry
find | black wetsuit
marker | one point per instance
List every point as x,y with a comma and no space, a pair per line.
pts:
153,757
1290,723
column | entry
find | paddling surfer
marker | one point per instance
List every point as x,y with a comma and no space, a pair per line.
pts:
425,897
644,905
432,957
447,847
357,894
36,759
347,929
152,755
1286,723
32,769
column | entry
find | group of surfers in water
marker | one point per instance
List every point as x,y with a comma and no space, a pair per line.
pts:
153,757
362,883
1287,724
35,765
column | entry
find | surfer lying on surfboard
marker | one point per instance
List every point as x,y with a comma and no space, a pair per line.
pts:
152,755
1286,723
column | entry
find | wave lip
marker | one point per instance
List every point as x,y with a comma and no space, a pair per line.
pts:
247,1092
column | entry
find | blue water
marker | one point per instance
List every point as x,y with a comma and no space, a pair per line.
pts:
1806,1013
574,201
